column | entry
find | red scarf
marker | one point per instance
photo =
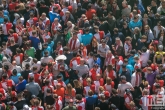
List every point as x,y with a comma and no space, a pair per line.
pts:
137,79
74,44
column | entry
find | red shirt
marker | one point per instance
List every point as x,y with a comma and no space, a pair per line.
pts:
90,13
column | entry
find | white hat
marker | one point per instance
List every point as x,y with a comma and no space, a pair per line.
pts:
61,57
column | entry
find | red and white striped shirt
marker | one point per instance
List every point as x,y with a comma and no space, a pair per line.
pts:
6,27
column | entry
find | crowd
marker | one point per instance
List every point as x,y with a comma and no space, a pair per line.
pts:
82,54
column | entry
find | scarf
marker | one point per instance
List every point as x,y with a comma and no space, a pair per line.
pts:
74,44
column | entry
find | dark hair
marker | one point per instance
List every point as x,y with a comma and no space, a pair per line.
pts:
14,71
79,97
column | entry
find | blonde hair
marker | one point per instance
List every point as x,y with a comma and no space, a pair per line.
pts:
108,80
21,6
101,88
88,80
77,84
69,89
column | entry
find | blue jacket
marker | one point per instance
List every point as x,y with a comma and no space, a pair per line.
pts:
21,86
53,15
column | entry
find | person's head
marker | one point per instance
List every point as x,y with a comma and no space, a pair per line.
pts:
136,59
71,103
90,92
98,76
163,4
19,96
128,39
31,79
146,28
5,67
124,67
118,41
14,72
114,91
94,43
67,14
20,79
65,4
77,83
114,4
4,76
109,67
153,2
144,38
36,103
81,46
125,25
96,28
34,33
159,25
160,47
9,89
78,97
18,51
27,66
55,96
82,61
136,18
101,89
124,4
89,6
95,66
11,31
125,61
144,49
123,79
59,43
108,80
86,30
95,56
103,42
110,14
115,30
1,13
132,104
88,80
149,70
69,89
145,83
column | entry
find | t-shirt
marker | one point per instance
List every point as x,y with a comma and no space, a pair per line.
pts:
103,50
35,41
49,100
122,88
60,92
15,78
13,48
31,52
157,31
82,70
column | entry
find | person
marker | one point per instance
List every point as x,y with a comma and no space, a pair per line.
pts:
49,100
20,103
114,100
91,100
31,85
15,76
71,106
82,68
121,90
103,104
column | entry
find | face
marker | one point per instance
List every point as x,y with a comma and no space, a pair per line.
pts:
1,13
96,30
43,16
125,25
81,62
146,29
123,4
114,4
70,104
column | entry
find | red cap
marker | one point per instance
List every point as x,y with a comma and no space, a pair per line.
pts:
107,94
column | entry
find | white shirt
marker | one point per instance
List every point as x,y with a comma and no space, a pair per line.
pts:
18,68
144,57
157,31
